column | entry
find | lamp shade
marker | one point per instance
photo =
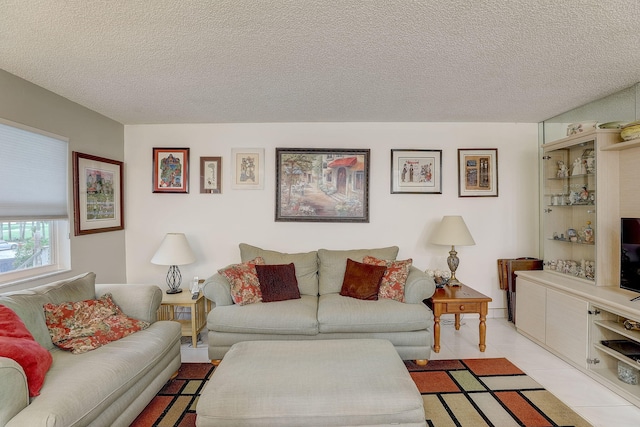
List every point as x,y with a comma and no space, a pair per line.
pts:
174,250
452,231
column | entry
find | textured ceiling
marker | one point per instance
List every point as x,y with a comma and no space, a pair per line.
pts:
178,61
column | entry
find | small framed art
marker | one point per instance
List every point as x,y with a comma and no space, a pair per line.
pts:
416,171
97,194
322,185
247,168
170,170
210,175
478,172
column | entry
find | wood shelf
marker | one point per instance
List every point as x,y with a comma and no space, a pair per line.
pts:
624,145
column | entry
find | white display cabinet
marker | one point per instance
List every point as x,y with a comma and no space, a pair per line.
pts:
580,207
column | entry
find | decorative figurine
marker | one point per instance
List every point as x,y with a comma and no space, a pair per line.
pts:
578,167
590,270
591,165
584,194
574,198
573,268
563,172
588,233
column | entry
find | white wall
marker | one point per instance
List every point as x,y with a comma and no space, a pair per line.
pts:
503,227
88,132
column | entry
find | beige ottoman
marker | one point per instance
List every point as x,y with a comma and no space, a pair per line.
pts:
311,383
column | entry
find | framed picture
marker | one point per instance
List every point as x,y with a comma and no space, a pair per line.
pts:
416,171
97,194
322,185
170,170
210,173
247,168
478,172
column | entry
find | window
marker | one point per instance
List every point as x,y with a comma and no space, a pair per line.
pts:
34,220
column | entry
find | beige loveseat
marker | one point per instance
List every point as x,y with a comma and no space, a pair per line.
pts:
108,386
321,312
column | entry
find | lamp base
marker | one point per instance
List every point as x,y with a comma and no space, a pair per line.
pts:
174,278
454,283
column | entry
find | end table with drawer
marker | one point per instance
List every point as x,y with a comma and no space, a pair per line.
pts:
199,309
458,300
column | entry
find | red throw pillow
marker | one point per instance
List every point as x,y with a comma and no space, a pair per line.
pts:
392,285
86,325
278,282
245,287
362,281
17,343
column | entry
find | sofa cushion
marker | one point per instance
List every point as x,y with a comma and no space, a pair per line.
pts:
296,316
18,344
361,280
82,326
394,279
28,303
245,287
333,263
341,314
278,282
306,265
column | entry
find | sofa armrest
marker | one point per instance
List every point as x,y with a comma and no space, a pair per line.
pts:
14,393
418,287
138,301
218,289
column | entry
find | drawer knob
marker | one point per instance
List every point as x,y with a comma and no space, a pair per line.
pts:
461,306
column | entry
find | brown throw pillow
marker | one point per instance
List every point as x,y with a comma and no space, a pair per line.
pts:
278,282
362,281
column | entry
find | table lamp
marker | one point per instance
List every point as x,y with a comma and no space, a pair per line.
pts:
174,251
452,231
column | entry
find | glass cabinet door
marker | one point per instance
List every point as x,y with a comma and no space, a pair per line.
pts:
569,211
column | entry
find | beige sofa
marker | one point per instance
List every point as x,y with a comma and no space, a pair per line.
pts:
321,312
108,386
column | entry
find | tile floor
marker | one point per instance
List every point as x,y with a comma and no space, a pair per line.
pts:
596,403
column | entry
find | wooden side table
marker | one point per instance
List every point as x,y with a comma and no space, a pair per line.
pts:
199,309
458,300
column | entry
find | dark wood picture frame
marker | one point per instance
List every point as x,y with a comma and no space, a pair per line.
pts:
98,188
211,175
477,172
416,171
170,170
322,185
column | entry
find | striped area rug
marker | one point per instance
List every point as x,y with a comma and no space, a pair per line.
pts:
467,392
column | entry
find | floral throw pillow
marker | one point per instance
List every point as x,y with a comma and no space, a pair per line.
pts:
394,279
86,325
245,286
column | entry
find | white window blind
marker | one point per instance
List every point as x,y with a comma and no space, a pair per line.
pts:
33,174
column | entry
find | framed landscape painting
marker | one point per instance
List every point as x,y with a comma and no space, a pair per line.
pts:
97,194
170,170
416,171
322,185
478,172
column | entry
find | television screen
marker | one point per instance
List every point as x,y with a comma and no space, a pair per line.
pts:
630,254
